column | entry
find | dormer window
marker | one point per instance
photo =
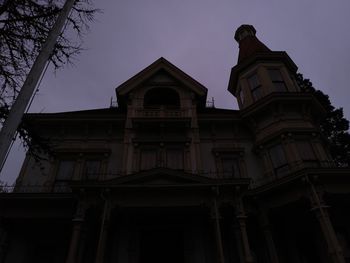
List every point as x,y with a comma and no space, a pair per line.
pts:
255,87
277,80
161,97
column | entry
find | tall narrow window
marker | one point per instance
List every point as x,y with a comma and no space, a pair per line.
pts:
306,153
255,87
148,159
230,167
65,170
92,169
174,158
65,173
277,80
278,159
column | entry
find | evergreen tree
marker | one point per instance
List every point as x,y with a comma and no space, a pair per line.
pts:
333,126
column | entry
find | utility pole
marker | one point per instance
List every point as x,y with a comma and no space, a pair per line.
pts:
14,118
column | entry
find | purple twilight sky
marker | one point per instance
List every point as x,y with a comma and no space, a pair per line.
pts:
197,37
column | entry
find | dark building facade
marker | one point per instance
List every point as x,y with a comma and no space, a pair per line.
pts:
162,177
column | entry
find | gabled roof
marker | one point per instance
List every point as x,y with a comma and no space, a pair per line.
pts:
164,65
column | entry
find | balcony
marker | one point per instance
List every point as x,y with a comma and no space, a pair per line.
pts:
164,114
161,112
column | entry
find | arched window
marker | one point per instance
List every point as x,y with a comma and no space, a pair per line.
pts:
157,97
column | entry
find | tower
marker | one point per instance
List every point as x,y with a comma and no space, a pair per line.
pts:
284,121
163,178
283,118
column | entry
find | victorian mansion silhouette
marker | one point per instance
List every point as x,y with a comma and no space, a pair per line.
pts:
162,177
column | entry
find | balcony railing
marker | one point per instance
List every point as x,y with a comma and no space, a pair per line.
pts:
161,113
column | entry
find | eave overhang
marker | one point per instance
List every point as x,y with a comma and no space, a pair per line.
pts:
321,176
284,97
271,56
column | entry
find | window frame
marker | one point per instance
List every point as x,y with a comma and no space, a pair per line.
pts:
241,95
80,158
178,149
235,154
310,160
276,82
59,169
158,97
235,172
279,169
256,90
62,185
149,148
91,176
161,152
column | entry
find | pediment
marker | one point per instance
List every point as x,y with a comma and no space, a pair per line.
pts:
159,176
160,71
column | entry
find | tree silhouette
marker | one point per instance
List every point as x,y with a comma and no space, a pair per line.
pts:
24,26
333,126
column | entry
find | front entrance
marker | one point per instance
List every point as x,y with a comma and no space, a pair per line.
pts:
161,244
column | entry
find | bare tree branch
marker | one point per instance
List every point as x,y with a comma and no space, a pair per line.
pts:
24,27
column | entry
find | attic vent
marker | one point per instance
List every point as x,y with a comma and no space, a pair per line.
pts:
158,97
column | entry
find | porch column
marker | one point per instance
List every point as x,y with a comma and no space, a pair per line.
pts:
238,239
266,227
78,221
216,217
321,212
241,218
103,232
